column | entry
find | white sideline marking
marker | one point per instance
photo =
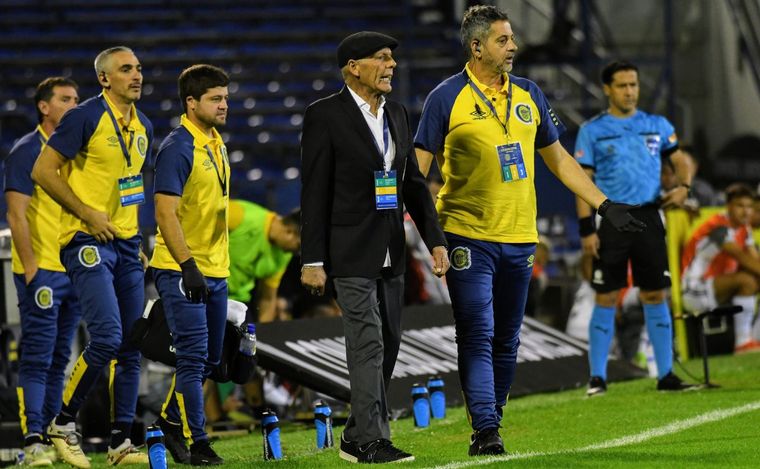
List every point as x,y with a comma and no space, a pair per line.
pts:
674,427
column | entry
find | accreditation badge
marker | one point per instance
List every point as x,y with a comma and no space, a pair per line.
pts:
131,190
386,190
511,162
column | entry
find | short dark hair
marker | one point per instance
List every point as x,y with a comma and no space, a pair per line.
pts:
476,23
293,218
612,68
738,190
197,79
46,89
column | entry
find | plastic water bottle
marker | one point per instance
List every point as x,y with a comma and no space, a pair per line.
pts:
271,433
420,405
323,422
437,397
154,438
248,341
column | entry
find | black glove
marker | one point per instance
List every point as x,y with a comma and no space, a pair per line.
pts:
196,290
617,214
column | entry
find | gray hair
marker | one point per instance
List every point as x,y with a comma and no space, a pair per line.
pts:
476,24
102,59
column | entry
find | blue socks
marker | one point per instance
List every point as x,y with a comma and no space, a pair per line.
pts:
601,329
660,330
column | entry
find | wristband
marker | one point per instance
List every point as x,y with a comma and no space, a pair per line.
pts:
586,226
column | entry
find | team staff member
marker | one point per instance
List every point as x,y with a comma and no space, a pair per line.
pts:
483,125
261,246
191,257
49,309
359,171
91,166
623,149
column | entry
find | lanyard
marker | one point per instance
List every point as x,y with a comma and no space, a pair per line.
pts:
124,149
223,176
386,139
490,105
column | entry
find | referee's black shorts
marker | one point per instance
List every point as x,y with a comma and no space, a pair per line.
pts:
646,251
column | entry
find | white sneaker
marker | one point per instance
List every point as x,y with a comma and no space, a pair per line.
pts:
36,455
66,441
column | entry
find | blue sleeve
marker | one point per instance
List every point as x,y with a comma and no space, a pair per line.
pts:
584,147
174,162
668,135
434,123
19,164
551,127
73,132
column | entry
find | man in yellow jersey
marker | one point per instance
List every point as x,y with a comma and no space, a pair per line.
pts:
191,257
49,309
484,125
92,167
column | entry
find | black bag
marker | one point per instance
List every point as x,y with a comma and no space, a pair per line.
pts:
151,335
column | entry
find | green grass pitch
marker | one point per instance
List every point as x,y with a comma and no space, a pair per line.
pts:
631,426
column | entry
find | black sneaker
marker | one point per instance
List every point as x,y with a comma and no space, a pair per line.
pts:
596,386
381,451
349,450
174,440
486,441
671,382
202,454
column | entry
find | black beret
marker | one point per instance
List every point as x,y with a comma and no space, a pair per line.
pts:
363,44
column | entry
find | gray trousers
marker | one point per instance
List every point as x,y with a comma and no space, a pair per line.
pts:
372,326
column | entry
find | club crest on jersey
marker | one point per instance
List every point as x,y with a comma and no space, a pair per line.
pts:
524,113
43,297
89,256
142,145
653,144
460,258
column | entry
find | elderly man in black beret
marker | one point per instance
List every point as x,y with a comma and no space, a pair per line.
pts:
358,173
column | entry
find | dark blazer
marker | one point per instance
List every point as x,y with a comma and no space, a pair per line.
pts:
340,225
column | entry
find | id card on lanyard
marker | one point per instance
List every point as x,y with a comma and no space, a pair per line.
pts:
510,156
131,188
386,183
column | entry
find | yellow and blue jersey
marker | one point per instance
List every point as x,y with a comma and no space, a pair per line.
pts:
88,138
626,154
478,200
185,168
43,213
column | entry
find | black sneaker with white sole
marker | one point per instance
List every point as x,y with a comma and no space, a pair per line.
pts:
349,450
671,382
487,441
202,454
382,451
596,386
